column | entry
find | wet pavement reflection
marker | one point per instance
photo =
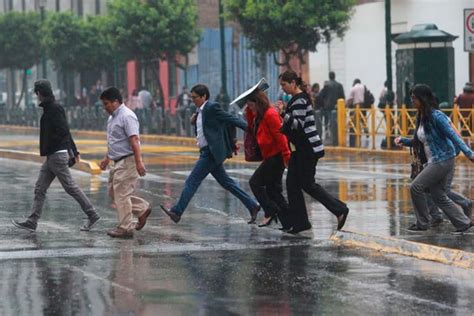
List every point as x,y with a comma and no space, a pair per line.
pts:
212,262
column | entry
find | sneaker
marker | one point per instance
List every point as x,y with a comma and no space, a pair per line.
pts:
462,230
436,222
416,228
91,221
26,225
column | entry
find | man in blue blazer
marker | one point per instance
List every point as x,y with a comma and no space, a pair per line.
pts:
215,146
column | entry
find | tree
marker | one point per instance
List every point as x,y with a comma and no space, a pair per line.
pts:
77,45
63,40
20,44
292,27
154,29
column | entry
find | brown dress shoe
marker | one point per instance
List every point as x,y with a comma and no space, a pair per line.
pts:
142,219
120,233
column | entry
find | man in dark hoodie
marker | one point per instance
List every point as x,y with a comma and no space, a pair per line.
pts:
60,150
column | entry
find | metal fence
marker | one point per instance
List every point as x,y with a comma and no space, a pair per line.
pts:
365,127
152,121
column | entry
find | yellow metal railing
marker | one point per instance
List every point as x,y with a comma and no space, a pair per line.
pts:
356,123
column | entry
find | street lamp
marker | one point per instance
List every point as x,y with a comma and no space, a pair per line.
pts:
224,97
42,6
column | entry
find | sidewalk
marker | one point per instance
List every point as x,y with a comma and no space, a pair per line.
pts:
375,187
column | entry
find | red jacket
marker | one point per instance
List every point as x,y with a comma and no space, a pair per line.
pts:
269,138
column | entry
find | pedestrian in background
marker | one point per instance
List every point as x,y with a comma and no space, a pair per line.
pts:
215,146
465,101
123,148
266,182
183,104
436,143
135,102
331,92
223,99
356,94
315,96
146,98
57,145
306,149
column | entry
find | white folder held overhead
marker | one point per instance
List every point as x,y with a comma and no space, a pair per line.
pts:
242,99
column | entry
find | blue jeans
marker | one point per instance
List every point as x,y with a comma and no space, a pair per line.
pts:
203,167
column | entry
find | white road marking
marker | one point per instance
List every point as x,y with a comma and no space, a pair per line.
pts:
171,248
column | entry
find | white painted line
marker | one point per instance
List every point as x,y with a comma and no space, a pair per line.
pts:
152,249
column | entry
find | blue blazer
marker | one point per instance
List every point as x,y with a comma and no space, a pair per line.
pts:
216,123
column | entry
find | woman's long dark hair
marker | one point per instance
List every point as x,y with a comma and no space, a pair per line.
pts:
428,102
289,76
261,101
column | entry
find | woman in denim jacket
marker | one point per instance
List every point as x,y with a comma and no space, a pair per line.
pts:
437,145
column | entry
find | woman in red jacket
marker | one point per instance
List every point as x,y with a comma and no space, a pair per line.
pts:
266,182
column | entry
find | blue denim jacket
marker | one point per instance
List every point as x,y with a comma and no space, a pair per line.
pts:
443,141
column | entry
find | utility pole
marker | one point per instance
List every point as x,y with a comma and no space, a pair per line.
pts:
225,97
388,44
42,5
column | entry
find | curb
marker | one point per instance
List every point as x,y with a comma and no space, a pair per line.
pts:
83,165
191,141
453,257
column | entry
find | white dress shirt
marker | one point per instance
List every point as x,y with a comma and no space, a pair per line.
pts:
201,139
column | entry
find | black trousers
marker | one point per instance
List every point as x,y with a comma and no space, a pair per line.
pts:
266,185
301,172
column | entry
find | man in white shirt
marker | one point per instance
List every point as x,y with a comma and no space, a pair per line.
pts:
356,95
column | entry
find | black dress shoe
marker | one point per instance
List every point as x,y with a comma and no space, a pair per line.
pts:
174,217
296,230
416,228
253,215
341,220
267,221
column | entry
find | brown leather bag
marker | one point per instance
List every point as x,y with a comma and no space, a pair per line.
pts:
416,164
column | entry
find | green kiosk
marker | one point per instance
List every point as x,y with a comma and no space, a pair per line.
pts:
425,55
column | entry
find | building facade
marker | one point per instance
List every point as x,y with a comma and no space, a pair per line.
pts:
361,53
203,65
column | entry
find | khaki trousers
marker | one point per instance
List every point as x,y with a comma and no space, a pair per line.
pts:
123,179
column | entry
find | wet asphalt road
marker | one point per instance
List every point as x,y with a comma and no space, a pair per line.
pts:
212,262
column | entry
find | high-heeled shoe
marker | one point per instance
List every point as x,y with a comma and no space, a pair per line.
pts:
268,220
253,215
341,220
